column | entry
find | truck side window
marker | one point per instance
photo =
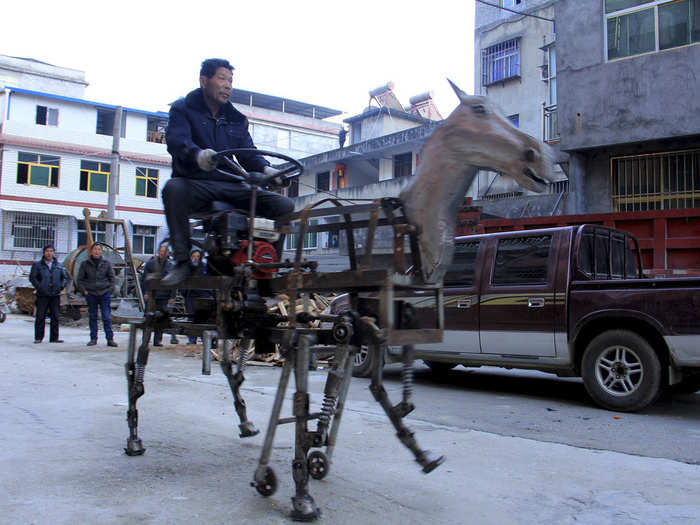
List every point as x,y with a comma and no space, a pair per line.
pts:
461,271
586,253
522,260
602,255
618,256
631,270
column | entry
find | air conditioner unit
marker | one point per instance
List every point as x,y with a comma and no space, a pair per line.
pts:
544,72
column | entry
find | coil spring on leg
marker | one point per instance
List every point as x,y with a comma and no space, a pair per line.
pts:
140,370
327,409
243,356
407,381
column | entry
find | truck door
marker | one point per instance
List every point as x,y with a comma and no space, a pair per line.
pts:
461,335
517,306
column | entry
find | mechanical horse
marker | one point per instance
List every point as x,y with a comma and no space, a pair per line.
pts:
247,272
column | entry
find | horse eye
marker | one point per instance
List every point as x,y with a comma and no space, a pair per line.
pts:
478,108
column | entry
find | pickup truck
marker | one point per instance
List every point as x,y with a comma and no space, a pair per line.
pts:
573,301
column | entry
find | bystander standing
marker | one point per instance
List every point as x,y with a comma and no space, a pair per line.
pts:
95,282
158,267
49,278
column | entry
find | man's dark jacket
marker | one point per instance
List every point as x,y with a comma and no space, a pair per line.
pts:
48,282
96,276
192,128
155,266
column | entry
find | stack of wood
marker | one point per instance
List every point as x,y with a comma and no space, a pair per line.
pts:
316,304
25,299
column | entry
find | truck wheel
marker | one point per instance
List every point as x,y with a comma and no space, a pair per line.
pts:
438,367
364,360
621,371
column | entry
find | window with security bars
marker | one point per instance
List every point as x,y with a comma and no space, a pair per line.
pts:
94,176
403,165
657,181
33,230
310,239
500,62
38,170
147,182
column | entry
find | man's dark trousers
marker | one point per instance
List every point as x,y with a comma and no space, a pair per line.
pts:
183,196
46,304
162,305
104,302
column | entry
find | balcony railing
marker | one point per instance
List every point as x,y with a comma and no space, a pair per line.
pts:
550,124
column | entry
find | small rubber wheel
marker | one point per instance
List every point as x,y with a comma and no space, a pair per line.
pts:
268,485
318,464
3,316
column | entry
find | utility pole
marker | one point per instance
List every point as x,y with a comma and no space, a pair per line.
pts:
114,173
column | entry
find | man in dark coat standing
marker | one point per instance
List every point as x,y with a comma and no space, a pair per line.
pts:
198,268
201,124
158,266
95,282
49,278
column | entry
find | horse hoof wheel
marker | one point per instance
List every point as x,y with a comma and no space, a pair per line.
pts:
318,464
266,484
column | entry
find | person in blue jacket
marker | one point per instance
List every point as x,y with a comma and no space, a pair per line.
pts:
202,123
49,278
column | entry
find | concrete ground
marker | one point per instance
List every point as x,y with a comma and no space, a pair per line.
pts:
61,454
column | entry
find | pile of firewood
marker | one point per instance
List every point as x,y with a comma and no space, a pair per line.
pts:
316,304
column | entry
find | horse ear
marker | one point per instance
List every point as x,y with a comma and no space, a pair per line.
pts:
461,94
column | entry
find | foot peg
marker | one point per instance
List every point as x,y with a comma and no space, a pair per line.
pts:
402,409
134,447
430,462
304,509
248,429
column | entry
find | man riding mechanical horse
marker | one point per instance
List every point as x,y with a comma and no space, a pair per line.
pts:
201,124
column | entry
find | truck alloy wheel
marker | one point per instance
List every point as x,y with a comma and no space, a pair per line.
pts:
364,360
621,371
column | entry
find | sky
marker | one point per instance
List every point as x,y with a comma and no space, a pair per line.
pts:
145,54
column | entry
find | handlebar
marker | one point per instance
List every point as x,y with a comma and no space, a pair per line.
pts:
240,174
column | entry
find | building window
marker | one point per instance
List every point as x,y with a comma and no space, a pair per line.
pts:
635,27
155,129
144,239
514,119
97,229
293,188
105,122
147,182
323,181
46,116
94,176
659,181
511,3
38,170
33,230
403,165
500,62
310,239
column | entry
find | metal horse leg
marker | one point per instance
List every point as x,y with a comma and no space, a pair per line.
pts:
135,370
247,428
427,460
345,386
304,508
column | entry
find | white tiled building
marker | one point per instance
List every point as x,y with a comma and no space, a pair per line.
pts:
56,149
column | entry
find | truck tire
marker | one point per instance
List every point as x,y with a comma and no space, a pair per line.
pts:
621,371
438,367
365,359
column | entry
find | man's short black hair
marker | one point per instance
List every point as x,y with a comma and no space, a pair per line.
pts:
46,247
210,65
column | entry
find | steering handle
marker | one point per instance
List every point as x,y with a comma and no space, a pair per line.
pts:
259,179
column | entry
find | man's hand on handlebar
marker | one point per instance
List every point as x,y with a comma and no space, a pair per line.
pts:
273,179
206,159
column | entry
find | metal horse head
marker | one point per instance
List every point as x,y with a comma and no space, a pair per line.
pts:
475,135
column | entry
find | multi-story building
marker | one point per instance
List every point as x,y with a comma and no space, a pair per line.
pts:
56,148
383,151
629,102
515,66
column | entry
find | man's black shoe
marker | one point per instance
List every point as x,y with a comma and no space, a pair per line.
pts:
111,342
37,341
92,343
177,274
56,341
157,344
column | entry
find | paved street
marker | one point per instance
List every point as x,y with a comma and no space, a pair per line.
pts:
521,447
